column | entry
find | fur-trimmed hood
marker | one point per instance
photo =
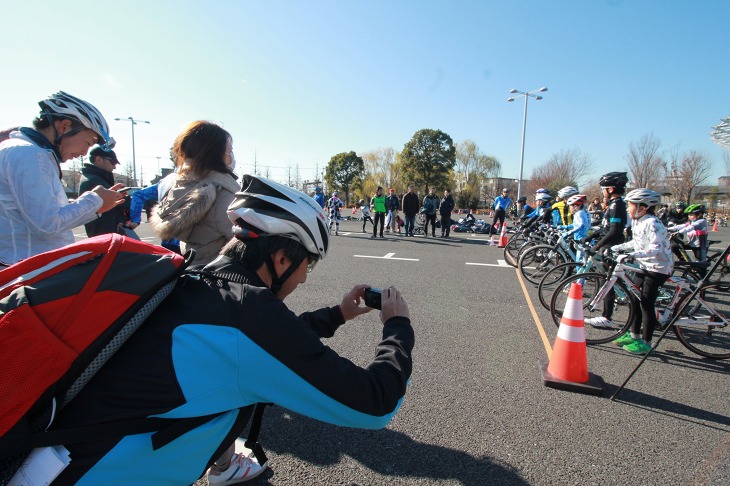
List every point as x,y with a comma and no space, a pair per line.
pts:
187,202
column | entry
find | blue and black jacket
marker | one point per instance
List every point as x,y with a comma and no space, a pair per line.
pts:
219,347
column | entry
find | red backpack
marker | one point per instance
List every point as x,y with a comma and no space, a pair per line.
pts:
63,313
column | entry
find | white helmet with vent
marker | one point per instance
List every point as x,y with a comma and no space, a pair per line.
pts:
64,105
264,207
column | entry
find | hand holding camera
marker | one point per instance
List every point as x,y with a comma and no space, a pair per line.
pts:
389,301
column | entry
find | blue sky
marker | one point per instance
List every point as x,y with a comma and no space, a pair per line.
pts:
296,82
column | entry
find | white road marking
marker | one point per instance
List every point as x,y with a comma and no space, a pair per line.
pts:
388,256
500,263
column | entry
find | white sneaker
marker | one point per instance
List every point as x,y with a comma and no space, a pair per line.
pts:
599,322
243,467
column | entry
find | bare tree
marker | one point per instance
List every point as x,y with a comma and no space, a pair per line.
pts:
566,168
646,166
472,169
379,164
687,171
128,172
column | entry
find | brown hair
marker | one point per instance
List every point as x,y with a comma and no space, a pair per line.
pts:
201,148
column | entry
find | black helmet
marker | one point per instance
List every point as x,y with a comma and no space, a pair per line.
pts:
680,205
613,179
522,200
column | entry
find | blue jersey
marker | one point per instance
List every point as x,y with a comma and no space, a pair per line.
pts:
319,197
581,225
502,203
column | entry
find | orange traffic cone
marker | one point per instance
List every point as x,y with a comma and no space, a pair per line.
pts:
714,226
503,237
568,367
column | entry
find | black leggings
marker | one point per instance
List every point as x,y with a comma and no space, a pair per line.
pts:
499,214
649,282
365,220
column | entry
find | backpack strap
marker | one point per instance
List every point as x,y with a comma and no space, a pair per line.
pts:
252,441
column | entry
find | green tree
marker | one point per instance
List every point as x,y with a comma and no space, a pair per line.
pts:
428,158
344,172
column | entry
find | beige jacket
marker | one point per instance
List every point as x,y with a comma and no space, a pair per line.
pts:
194,212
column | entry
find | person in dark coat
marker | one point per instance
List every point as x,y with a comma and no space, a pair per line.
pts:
445,208
410,206
100,172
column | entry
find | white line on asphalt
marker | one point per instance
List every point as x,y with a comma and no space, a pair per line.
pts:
388,256
500,263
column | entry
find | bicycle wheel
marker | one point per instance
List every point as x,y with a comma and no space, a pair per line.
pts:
624,306
702,327
537,260
554,276
512,247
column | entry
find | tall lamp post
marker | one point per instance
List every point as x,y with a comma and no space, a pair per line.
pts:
527,95
134,161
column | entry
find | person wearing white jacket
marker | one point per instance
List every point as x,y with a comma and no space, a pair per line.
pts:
35,214
651,250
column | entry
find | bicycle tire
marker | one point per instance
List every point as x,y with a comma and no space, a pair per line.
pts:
537,260
552,278
712,342
512,247
624,309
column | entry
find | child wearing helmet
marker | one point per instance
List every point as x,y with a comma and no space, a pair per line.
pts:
650,248
561,210
615,218
365,208
319,197
696,229
37,216
581,224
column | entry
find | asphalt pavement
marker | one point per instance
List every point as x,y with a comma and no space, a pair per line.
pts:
476,411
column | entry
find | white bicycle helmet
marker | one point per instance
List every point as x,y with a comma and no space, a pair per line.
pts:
264,207
63,105
646,197
543,196
567,191
577,199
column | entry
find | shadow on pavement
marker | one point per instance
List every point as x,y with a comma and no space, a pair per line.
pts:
668,407
386,452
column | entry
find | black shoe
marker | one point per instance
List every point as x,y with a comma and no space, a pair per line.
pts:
382,236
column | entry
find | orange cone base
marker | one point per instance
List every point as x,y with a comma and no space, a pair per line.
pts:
502,242
594,385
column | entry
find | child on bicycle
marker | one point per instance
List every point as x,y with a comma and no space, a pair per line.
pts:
581,224
696,229
613,186
650,249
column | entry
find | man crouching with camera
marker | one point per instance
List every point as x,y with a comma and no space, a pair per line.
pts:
224,341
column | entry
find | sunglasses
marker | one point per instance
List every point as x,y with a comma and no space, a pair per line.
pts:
312,262
114,162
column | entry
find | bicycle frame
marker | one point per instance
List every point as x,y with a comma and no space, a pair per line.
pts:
681,288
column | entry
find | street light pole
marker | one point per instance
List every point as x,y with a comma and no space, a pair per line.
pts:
524,127
134,160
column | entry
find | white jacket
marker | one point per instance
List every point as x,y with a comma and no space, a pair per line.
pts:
649,245
35,215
